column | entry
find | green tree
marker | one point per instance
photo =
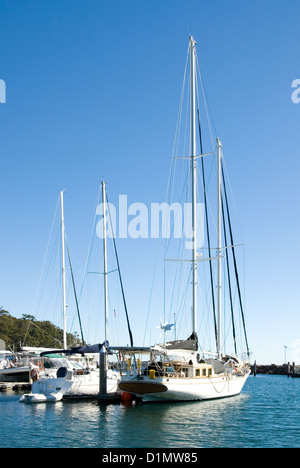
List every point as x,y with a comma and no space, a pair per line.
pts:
28,331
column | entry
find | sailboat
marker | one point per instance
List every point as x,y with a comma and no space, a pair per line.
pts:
72,379
177,370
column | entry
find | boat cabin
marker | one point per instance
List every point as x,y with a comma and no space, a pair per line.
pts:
193,371
175,369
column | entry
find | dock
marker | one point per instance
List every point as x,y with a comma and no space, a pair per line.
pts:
15,386
108,398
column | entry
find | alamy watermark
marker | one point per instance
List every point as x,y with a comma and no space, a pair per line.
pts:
2,92
160,220
296,93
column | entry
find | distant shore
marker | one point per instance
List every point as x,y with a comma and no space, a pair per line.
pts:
275,369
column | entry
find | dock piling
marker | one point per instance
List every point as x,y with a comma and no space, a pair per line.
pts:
103,371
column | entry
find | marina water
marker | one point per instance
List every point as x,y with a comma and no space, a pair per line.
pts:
265,414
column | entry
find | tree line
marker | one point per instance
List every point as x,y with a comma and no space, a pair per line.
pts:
27,331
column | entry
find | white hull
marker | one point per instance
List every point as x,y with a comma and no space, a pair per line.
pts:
187,389
86,384
15,374
15,370
217,387
55,388
40,398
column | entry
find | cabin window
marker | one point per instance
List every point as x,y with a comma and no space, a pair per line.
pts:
209,372
204,372
197,372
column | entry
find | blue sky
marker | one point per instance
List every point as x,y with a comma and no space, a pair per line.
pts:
92,91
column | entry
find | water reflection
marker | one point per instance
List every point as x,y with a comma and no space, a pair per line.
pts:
262,416
88,424
182,424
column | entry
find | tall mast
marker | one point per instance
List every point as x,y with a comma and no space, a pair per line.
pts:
105,261
219,247
194,178
63,267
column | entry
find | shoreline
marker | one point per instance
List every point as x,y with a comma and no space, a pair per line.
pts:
288,369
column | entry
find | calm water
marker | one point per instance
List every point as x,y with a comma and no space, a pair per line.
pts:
266,414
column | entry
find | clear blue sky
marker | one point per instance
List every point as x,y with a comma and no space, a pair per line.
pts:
92,90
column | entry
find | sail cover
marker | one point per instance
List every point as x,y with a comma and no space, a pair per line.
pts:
191,344
88,349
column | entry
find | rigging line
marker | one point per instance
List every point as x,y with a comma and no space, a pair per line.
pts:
174,281
167,242
55,291
151,292
170,185
74,290
48,244
169,189
94,298
228,275
179,116
207,107
43,265
110,301
47,334
120,277
234,261
90,246
100,273
26,333
178,271
232,196
206,218
180,308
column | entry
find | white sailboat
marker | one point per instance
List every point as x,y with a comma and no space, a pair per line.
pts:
13,368
177,371
70,379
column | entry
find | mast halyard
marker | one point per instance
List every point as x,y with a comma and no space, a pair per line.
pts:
63,268
219,246
105,261
194,205
194,180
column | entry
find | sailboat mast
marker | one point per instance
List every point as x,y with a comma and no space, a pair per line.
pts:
219,246
194,179
105,261
63,267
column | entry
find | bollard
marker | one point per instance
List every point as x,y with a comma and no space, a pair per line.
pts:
103,371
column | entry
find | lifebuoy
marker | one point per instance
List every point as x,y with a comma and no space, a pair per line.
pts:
34,375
